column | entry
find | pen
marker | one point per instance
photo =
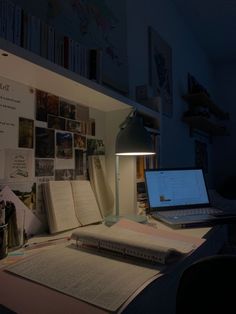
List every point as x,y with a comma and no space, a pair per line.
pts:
50,241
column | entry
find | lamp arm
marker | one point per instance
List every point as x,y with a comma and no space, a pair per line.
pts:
117,181
126,121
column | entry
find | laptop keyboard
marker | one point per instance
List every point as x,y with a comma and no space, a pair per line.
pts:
192,211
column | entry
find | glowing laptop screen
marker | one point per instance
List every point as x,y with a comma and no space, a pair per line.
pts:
175,187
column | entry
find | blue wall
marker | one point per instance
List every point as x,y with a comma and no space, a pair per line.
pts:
225,147
187,56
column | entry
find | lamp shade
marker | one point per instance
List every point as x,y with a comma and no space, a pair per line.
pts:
134,139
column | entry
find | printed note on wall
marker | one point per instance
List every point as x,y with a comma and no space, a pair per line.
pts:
19,165
16,100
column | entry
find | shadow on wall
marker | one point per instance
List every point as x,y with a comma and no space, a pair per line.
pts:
228,188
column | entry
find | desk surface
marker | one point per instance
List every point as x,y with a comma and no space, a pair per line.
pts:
23,296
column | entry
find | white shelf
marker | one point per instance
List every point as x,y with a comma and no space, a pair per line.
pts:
30,69
23,66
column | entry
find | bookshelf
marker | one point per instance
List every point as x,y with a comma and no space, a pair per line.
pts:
21,65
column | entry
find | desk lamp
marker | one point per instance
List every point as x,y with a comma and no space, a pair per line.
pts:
132,140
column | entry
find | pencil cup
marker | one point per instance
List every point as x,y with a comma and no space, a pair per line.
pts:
3,241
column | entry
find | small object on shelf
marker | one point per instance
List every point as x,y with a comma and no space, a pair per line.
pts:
203,124
195,87
202,100
203,114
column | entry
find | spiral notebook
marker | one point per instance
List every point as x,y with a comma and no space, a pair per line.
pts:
179,198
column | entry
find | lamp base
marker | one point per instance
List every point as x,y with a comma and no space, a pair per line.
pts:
112,219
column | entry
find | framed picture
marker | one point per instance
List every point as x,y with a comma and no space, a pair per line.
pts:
160,70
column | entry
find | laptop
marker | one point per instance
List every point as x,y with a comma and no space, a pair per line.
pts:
179,198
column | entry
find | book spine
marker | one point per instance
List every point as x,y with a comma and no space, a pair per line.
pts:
51,43
125,250
17,25
35,34
44,40
10,21
66,52
95,65
59,49
29,32
71,54
24,29
1,18
4,18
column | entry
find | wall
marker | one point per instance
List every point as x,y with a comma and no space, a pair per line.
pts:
187,56
225,147
34,148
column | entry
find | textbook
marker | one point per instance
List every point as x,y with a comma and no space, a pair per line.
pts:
70,204
137,240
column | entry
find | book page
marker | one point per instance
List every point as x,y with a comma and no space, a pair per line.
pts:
86,207
61,211
94,278
99,183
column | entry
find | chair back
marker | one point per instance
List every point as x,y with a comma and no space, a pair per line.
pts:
208,286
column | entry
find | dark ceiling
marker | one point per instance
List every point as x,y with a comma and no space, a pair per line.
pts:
214,24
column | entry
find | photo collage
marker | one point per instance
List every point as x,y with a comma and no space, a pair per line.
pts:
62,136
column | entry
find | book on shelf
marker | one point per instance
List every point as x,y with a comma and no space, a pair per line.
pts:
34,43
136,240
10,20
43,40
17,25
70,204
51,43
95,65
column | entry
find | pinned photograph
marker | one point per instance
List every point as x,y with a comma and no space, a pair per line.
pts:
44,167
64,145
67,110
44,143
46,104
26,133
80,141
55,122
73,126
95,147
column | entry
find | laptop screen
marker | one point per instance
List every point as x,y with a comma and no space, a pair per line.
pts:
182,187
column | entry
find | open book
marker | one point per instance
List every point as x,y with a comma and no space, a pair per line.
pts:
138,240
70,204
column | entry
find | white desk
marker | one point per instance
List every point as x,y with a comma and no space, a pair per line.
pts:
26,297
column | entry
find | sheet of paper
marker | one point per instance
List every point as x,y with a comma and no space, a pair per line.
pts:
94,278
167,234
86,207
25,217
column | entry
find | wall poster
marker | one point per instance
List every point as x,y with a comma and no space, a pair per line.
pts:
160,70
